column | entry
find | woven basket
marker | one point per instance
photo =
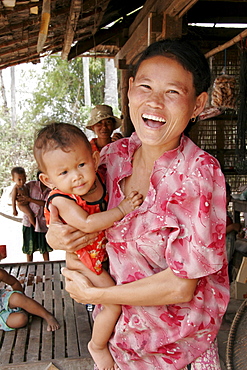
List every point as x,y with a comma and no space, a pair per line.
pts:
236,350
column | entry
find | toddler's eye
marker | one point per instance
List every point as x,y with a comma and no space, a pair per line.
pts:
81,165
63,173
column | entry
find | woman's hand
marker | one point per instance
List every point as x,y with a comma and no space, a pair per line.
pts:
65,237
77,285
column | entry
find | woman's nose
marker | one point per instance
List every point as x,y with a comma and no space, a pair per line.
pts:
156,100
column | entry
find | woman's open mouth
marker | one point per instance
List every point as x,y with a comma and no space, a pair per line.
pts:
153,121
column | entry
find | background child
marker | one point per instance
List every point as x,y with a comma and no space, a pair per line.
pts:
20,189
68,166
14,305
34,237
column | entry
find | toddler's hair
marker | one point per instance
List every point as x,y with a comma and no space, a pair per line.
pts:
57,135
18,171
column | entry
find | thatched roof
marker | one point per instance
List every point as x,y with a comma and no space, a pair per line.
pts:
106,27
70,22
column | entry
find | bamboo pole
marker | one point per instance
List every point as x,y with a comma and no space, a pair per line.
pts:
45,20
229,43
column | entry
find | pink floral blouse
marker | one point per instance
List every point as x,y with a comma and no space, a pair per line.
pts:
181,225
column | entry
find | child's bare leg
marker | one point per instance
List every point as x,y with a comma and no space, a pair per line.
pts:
17,319
46,256
98,346
30,257
35,308
102,280
27,210
103,327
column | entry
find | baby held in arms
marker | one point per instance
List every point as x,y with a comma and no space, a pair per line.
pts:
69,168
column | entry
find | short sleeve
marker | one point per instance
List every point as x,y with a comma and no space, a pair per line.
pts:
196,245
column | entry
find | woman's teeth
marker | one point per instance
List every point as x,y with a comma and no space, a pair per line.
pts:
153,121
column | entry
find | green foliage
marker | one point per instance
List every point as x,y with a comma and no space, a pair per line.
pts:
97,80
16,150
58,96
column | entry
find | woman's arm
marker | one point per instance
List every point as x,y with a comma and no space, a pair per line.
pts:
65,237
159,289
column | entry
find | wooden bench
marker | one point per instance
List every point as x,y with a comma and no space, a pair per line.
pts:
66,348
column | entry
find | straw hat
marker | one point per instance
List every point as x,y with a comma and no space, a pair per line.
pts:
100,112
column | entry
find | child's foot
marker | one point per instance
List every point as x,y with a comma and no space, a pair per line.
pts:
52,323
102,357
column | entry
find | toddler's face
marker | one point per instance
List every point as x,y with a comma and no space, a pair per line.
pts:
19,179
73,171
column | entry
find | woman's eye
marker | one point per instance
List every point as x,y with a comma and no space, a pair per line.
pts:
145,86
81,165
173,92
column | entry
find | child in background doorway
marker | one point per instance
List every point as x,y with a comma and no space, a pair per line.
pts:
20,189
14,306
68,166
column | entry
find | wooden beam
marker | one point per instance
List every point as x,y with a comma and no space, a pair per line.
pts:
44,25
179,7
172,27
100,37
174,8
72,20
229,43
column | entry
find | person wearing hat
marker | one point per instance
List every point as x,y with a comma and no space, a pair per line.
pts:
103,123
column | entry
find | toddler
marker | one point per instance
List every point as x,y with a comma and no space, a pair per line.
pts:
20,189
14,305
69,167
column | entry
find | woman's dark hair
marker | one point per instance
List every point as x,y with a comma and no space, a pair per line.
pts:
185,53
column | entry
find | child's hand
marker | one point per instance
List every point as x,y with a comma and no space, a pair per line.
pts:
131,202
15,213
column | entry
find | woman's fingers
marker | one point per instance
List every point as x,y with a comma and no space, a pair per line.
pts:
66,237
76,285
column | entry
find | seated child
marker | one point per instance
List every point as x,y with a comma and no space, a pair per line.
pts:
14,305
69,167
20,188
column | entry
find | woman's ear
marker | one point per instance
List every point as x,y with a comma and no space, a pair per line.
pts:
45,179
201,101
131,80
96,159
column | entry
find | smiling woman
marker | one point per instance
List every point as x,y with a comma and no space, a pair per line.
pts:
163,97
168,256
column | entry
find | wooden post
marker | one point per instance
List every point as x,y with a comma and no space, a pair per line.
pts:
172,27
127,127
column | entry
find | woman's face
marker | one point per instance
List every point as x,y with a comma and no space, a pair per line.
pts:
104,128
162,100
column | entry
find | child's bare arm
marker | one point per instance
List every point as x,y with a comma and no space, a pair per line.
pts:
75,216
13,196
10,280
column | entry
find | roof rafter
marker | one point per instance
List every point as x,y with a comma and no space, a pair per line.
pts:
75,9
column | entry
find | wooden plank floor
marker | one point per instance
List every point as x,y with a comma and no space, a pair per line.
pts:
22,348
